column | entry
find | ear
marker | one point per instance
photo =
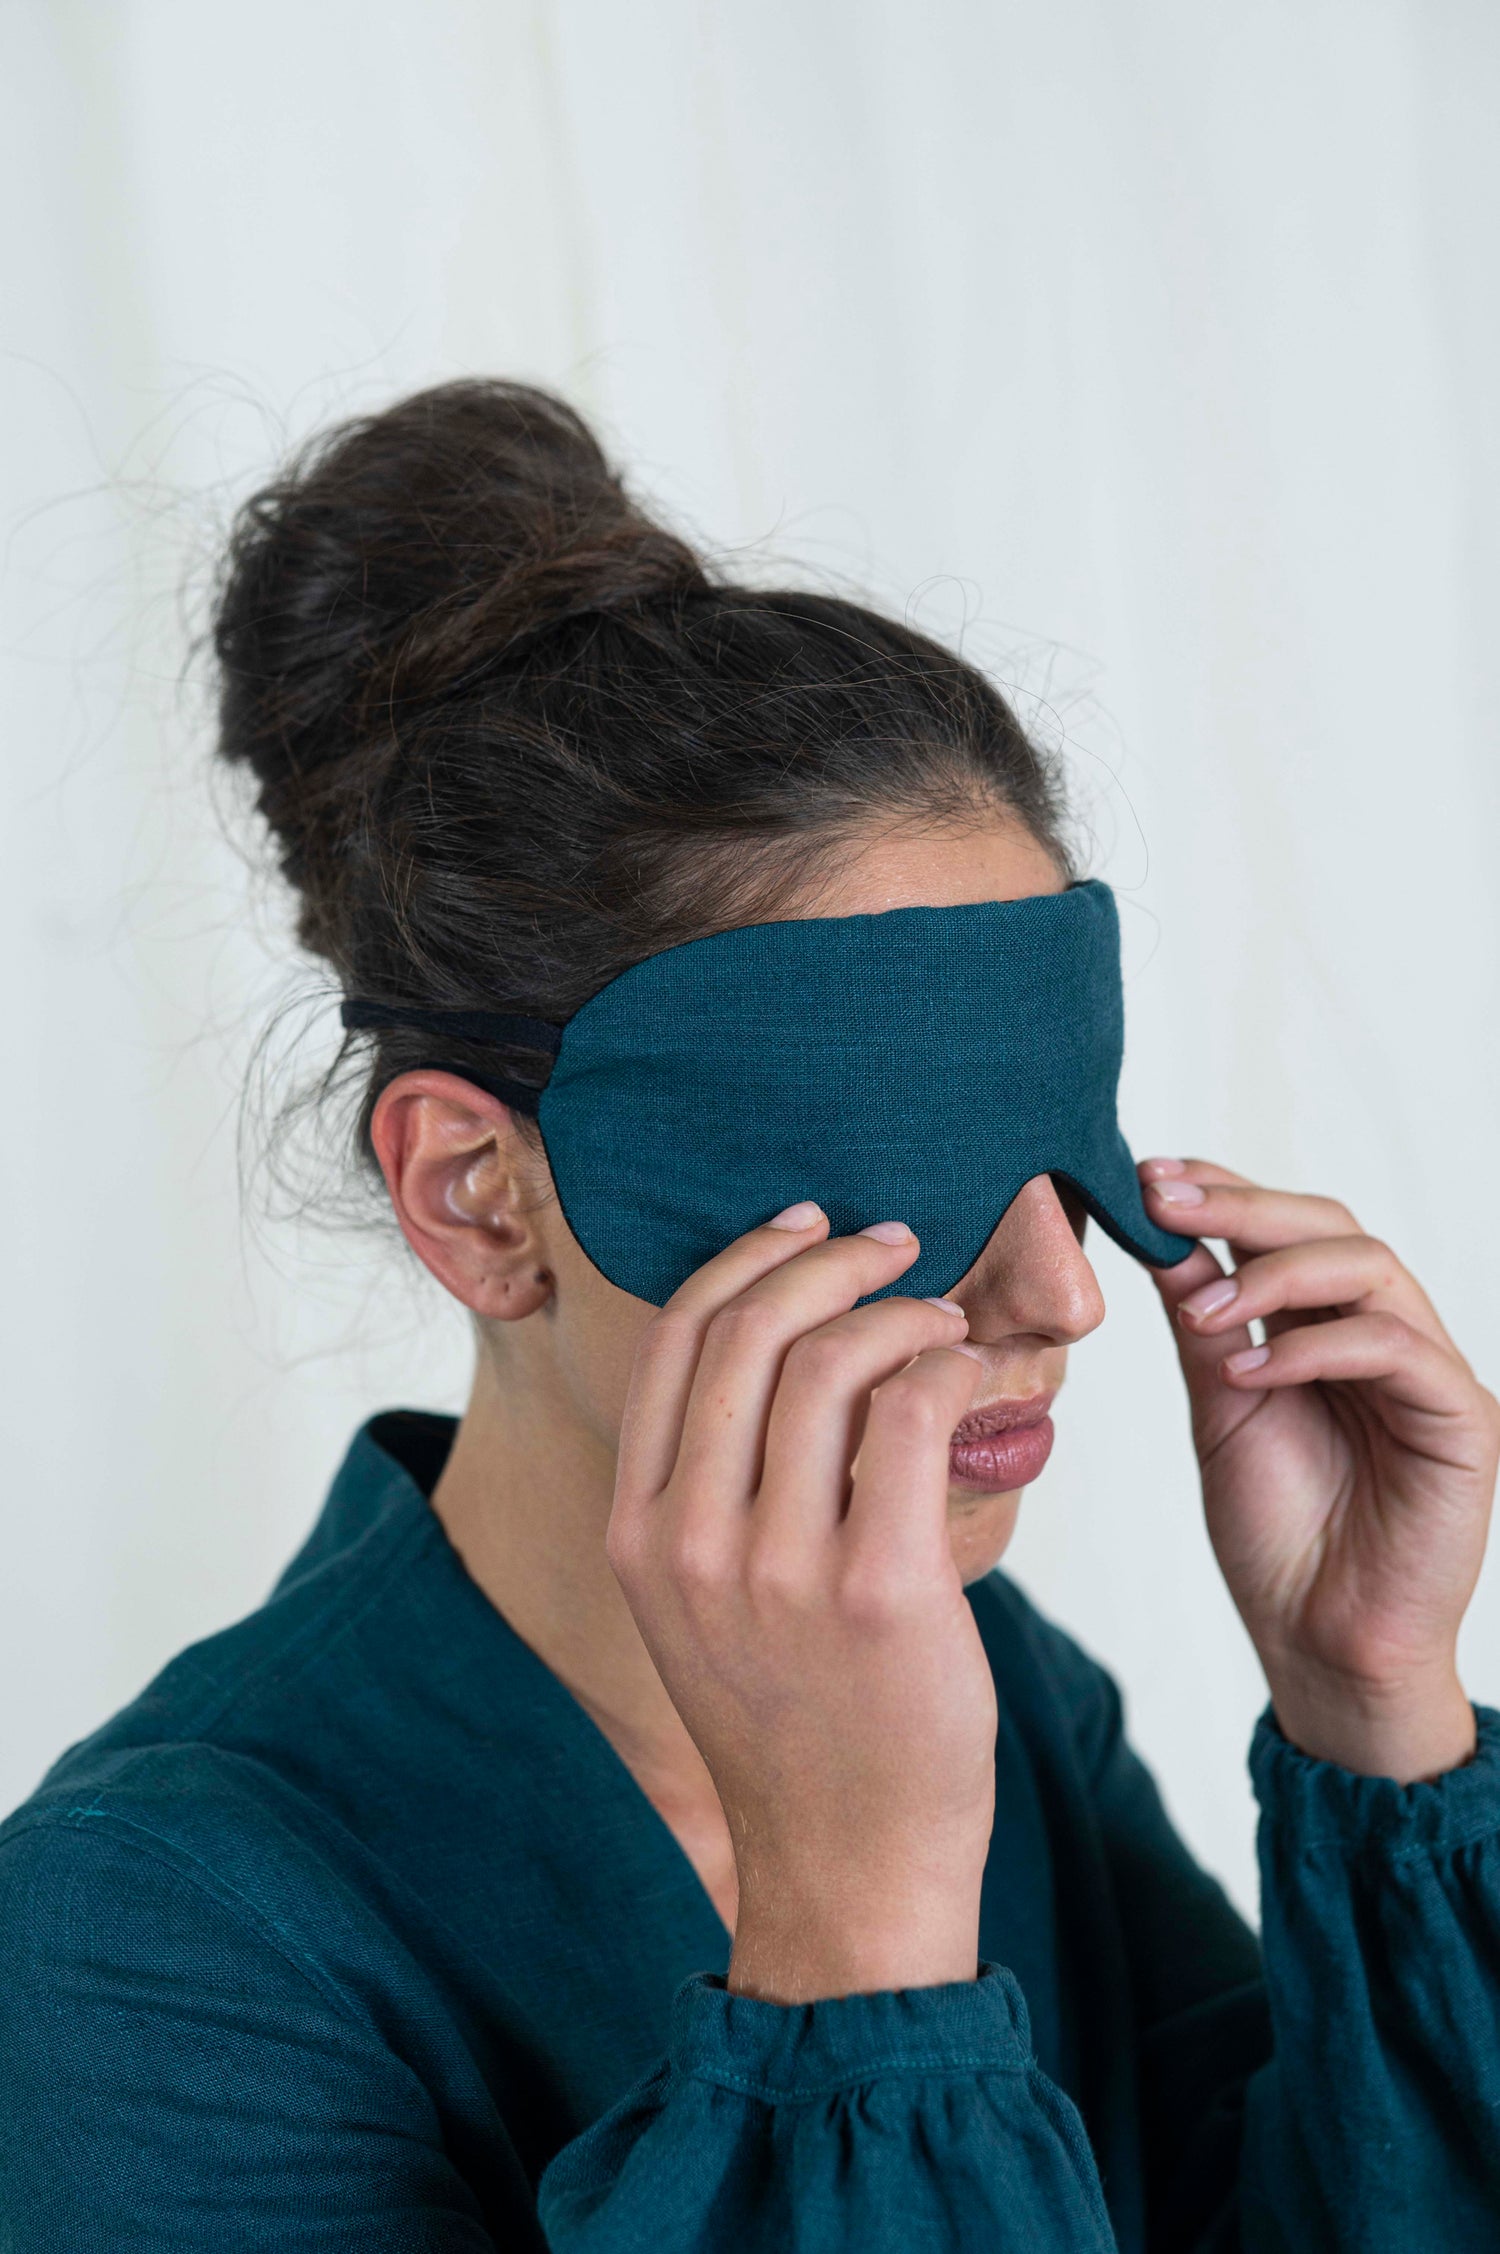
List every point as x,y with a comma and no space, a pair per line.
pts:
459,1177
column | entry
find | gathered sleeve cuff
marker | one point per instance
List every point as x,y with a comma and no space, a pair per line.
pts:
789,2053
1379,2111
871,2122
1316,1804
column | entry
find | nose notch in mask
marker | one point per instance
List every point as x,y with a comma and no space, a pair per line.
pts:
1034,1273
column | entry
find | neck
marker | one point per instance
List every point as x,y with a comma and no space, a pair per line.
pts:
525,1498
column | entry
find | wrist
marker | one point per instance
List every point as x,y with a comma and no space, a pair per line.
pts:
1412,1729
792,1949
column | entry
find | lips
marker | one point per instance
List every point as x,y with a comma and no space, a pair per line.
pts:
1001,1446
1001,1416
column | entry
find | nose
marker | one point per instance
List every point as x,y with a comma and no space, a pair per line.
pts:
1033,1274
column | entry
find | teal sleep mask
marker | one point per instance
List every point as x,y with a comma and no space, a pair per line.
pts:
919,1065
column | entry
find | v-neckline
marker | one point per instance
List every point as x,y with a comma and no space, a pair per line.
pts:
603,1851
585,1748
593,1743
625,1778
610,1763
619,1909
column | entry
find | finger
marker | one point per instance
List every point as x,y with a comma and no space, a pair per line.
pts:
666,1355
1418,1390
1191,1169
1356,1275
1300,1213
1248,1217
898,1504
820,1408
745,1342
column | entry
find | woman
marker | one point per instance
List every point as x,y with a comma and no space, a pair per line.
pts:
642,1816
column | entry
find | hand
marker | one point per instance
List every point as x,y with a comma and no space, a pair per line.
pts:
1348,1474
780,1531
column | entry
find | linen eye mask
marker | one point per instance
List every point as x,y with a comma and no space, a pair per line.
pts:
919,1065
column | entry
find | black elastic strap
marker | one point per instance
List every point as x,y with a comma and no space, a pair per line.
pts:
360,1016
512,1092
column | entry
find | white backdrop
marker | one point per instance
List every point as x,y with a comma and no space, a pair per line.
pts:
1152,345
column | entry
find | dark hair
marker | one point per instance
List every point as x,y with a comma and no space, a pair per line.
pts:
512,735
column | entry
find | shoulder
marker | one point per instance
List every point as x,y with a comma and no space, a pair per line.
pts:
209,1801
201,2040
185,1856
229,1727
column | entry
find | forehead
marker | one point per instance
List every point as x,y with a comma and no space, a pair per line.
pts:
934,868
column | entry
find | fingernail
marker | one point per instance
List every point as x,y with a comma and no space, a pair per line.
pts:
1209,1298
1248,1358
1178,1193
949,1306
972,1351
889,1232
799,1216
1167,1165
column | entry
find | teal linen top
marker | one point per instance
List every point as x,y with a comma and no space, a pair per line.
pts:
353,1932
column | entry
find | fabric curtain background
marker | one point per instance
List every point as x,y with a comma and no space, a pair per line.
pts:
1150,347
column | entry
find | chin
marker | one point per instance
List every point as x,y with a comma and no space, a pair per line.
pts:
980,1525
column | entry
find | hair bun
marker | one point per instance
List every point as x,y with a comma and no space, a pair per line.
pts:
395,558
